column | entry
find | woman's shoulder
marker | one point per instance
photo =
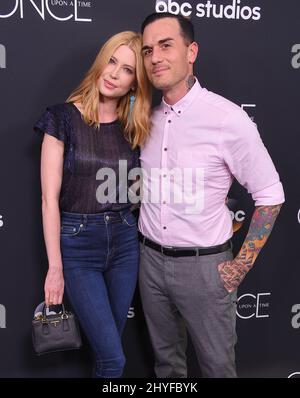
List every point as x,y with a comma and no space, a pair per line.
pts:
59,108
55,121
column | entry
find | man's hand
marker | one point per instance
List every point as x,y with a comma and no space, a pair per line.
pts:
232,273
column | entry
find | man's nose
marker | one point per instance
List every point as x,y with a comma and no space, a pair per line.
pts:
156,56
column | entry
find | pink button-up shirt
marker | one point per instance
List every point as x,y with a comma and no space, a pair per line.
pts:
196,148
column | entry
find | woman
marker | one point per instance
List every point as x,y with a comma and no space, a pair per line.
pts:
90,232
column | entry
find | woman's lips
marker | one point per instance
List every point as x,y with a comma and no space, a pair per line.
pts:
108,84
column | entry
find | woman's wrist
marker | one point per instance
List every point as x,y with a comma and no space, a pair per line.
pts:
55,267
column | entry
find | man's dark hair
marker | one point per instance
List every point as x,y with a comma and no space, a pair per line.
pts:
186,26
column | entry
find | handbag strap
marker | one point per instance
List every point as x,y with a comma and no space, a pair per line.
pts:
63,316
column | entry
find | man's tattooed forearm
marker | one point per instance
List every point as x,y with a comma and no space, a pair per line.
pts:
233,272
261,225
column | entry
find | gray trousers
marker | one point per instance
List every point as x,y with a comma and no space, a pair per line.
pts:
187,294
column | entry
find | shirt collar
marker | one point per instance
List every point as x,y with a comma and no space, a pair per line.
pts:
184,102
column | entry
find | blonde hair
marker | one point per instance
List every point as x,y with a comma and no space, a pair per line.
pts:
137,123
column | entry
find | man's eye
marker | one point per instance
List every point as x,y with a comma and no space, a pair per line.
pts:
147,52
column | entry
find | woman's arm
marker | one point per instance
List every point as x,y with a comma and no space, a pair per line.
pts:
51,178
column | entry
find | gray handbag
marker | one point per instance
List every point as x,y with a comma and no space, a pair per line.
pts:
55,332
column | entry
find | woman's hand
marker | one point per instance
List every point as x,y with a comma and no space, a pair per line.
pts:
54,286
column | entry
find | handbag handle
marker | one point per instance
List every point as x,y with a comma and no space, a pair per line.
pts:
64,314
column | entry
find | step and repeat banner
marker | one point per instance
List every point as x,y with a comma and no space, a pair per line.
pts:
249,52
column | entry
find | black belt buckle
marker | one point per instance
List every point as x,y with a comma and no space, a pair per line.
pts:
163,248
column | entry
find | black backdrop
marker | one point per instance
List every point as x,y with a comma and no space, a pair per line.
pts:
249,53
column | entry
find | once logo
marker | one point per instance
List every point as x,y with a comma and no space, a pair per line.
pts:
249,306
294,375
2,56
299,216
1,222
43,7
296,58
2,317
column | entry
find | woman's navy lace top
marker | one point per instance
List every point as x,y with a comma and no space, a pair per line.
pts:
87,151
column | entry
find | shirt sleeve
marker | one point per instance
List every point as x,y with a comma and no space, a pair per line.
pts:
52,122
249,161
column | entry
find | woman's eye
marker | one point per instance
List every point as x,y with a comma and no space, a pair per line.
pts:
112,61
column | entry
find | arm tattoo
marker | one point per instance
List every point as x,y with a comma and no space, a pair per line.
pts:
261,225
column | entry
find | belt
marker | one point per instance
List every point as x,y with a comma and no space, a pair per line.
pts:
185,252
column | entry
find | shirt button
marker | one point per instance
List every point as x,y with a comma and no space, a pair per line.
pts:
179,111
81,225
169,121
106,218
166,113
165,149
165,227
165,175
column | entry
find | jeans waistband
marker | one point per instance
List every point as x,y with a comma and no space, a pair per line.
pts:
105,217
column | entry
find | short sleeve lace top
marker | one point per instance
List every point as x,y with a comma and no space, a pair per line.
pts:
93,181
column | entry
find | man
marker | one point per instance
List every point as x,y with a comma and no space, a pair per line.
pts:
188,278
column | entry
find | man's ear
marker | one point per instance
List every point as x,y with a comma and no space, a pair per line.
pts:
192,52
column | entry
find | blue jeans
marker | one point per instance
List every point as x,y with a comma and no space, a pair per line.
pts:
100,254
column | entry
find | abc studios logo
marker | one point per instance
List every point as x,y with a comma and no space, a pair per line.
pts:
2,56
237,216
296,58
43,8
1,221
131,313
2,317
235,10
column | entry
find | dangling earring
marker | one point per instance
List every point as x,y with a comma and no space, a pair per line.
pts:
132,99
131,103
